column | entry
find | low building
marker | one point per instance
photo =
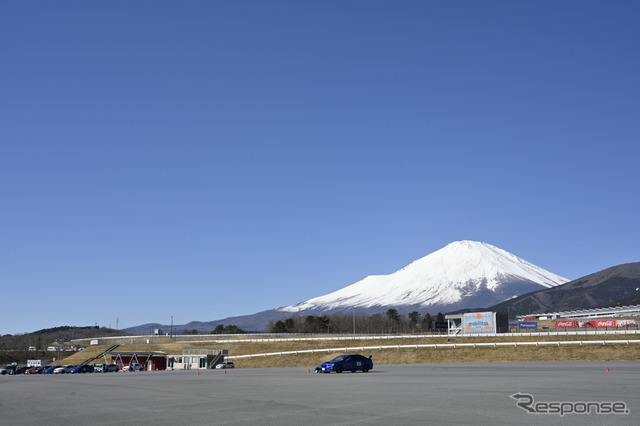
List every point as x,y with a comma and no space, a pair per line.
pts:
196,359
149,360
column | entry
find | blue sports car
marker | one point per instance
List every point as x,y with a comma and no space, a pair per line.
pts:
348,362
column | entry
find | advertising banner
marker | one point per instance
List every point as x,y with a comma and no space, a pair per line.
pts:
478,322
597,323
529,325
565,324
627,323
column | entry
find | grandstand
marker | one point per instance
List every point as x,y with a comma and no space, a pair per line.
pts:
616,311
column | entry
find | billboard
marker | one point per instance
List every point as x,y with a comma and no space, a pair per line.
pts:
479,322
528,324
597,323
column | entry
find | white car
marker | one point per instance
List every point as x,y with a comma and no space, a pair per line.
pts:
132,367
62,369
226,365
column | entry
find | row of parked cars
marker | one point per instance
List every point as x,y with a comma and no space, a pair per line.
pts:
68,369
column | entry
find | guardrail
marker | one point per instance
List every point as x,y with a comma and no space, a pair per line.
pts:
440,346
386,337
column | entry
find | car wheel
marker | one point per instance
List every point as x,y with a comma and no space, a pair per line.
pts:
365,369
339,369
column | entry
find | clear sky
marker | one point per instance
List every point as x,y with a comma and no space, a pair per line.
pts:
206,159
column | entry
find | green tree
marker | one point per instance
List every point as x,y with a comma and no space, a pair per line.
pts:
234,329
279,327
393,315
310,324
322,323
427,322
439,317
414,318
289,324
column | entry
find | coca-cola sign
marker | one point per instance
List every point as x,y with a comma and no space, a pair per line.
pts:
603,323
565,324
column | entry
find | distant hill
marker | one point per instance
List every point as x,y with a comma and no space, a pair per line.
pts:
615,286
42,338
251,323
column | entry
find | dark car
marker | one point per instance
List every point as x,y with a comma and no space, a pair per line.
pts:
84,368
110,368
49,369
9,369
21,370
348,362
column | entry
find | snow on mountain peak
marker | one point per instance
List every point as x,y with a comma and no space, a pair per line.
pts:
460,274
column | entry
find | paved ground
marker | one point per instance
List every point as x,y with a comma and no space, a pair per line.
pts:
388,395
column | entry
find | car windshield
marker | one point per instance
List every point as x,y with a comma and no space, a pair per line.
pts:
339,358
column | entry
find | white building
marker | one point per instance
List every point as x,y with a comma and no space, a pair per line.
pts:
196,359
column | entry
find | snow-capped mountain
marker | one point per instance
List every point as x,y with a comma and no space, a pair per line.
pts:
464,274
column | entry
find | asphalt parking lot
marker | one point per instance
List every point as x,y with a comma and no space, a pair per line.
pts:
389,395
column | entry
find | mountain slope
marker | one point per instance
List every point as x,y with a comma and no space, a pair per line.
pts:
461,275
615,286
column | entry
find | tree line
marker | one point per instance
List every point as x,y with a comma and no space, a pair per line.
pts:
343,323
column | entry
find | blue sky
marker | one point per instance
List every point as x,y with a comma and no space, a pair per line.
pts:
207,159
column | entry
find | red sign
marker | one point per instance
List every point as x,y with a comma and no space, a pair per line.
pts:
529,318
564,324
603,323
626,323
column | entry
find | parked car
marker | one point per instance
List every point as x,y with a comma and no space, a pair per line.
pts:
110,368
21,369
84,368
348,362
132,367
227,364
62,369
98,368
34,370
9,369
49,369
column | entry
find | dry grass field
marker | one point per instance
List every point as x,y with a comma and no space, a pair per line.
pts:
450,353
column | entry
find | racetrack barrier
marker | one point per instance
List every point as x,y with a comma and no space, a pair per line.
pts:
444,345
